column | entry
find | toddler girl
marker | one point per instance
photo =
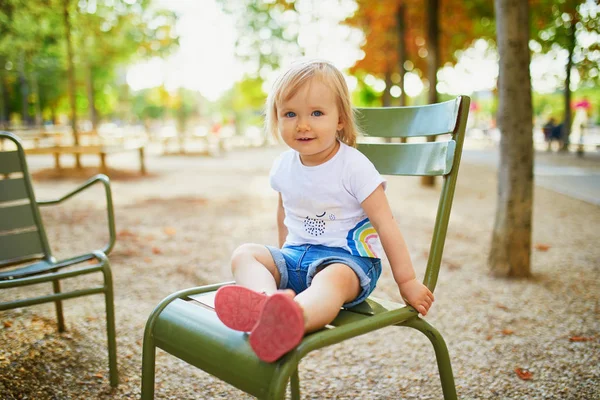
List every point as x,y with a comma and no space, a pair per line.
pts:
333,218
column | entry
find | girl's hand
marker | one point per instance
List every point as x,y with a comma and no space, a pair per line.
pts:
417,295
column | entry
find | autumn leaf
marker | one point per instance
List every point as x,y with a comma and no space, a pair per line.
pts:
170,231
7,324
581,338
156,250
125,233
99,375
523,374
507,331
542,247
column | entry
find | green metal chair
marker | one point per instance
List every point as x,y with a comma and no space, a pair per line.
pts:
185,325
25,256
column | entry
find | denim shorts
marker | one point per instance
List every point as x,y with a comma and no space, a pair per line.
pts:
297,266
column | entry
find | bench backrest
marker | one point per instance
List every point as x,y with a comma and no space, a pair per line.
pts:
420,159
22,236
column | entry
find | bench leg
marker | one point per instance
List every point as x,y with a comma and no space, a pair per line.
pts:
142,162
103,168
57,161
441,355
59,309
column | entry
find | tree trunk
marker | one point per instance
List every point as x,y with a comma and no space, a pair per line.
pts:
71,78
401,26
386,99
433,63
566,128
91,93
24,87
510,253
35,88
3,103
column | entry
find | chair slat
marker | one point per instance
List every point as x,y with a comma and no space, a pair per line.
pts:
412,159
12,189
430,120
16,217
20,245
9,162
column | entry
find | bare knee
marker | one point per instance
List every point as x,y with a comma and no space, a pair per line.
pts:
340,280
252,263
245,252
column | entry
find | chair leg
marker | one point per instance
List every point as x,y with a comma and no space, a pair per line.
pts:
59,309
110,326
295,385
148,366
441,354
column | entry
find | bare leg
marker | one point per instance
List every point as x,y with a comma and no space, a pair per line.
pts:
331,288
253,267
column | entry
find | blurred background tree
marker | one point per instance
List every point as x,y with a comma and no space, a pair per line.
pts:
569,28
103,37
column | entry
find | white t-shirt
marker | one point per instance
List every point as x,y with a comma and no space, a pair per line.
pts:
323,203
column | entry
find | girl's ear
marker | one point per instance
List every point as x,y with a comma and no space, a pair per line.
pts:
340,124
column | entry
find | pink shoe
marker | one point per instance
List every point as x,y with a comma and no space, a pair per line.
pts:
280,328
239,307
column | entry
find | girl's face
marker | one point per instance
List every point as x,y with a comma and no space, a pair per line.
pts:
308,122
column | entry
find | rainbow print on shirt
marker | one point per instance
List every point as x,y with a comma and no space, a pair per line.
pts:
360,238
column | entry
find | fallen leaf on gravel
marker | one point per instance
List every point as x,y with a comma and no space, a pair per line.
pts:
7,324
581,338
507,331
156,250
170,231
452,266
524,374
542,247
125,233
502,307
99,375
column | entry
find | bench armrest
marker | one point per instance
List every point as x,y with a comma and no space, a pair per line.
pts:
109,206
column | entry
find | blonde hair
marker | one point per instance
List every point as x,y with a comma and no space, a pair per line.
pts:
299,73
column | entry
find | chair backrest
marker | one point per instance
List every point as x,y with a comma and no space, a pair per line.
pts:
22,236
420,159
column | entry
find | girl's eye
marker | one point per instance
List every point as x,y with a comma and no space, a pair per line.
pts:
317,113
289,114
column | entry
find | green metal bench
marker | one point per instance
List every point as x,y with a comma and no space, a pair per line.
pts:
25,256
185,325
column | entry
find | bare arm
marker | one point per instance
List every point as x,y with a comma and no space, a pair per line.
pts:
281,228
378,210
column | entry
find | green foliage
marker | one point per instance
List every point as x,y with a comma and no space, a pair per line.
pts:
266,32
569,25
243,103
106,34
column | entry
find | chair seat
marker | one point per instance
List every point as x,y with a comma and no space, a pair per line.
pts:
191,331
28,270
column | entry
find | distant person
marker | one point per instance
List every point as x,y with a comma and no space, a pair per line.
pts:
332,212
558,136
548,132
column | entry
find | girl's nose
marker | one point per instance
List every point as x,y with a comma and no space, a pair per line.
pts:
302,127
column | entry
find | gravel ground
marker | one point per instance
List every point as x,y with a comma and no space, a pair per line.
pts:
178,226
